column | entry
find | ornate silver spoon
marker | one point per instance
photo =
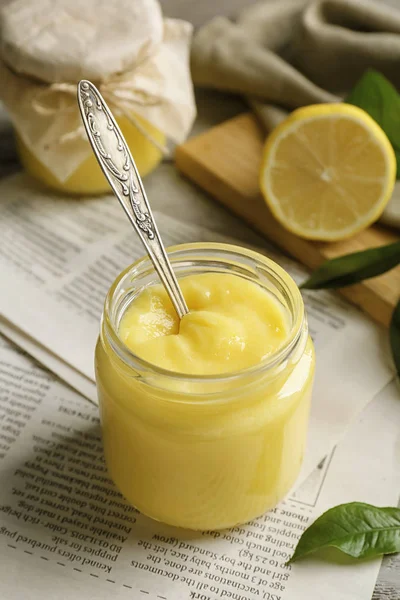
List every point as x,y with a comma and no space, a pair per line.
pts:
118,166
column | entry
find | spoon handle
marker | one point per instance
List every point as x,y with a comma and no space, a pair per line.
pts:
118,166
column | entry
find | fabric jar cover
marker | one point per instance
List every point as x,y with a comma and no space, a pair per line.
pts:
138,59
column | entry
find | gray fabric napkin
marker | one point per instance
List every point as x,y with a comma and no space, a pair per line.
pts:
289,53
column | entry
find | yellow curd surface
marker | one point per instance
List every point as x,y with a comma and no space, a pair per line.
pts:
88,178
232,324
197,452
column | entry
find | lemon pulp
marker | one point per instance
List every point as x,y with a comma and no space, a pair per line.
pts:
328,171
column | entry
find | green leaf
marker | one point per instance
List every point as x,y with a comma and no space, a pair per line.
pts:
379,98
357,529
352,268
394,333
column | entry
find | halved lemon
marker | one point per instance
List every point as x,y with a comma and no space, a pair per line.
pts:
328,171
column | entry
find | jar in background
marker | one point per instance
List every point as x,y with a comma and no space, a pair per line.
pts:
205,452
138,60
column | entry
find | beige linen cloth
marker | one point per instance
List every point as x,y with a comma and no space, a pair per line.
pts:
284,54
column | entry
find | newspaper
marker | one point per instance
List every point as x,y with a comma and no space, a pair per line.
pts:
59,256
75,379
67,533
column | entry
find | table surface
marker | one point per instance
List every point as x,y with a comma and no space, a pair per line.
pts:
173,195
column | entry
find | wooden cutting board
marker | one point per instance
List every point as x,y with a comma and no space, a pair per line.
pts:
225,161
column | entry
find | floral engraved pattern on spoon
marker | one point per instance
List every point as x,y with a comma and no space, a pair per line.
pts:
124,177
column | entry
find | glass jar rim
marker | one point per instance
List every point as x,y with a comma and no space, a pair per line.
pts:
294,337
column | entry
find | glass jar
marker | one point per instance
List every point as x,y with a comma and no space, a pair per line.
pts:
205,452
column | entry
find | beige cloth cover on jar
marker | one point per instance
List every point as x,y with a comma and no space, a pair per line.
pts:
138,59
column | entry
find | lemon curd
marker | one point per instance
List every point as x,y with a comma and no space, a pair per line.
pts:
88,178
204,419
232,324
